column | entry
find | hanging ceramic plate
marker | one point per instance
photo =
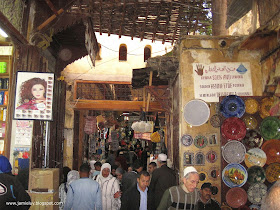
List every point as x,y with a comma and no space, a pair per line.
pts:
250,122
272,151
186,140
256,174
272,172
233,152
234,175
256,192
254,207
233,128
251,106
200,141
236,197
216,121
270,128
214,172
232,106
196,112
252,139
255,157
265,106
211,156
202,176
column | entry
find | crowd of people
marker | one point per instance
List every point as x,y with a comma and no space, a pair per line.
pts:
125,182
156,188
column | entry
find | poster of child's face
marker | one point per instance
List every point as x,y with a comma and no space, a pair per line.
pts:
34,96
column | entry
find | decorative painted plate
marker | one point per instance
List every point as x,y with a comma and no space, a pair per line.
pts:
236,197
200,141
234,175
256,174
272,151
250,122
214,172
256,192
196,112
255,157
211,156
252,139
272,172
186,140
199,158
266,104
216,121
254,207
233,128
202,176
270,128
251,106
233,152
232,106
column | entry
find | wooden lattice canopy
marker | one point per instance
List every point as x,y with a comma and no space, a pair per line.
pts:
163,20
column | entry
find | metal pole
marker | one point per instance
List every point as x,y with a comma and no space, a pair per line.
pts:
46,162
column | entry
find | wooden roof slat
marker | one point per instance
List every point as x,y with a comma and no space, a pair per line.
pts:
167,22
144,23
100,18
50,4
135,17
122,20
157,20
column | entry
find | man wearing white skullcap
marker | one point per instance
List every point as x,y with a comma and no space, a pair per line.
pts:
184,196
163,178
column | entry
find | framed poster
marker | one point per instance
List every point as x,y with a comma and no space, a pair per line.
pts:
34,96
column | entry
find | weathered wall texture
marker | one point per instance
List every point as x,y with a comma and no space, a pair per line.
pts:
206,49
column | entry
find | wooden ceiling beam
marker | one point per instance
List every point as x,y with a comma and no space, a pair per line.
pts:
135,17
144,23
122,20
167,22
190,20
115,105
50,4
157,20
177,21
100,18
111,18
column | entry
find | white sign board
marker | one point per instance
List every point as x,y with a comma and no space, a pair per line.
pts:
221,79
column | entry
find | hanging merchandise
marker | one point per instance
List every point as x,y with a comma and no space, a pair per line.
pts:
155,137
100,122
142,126
90,125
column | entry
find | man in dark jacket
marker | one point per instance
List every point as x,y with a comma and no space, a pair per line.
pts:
138,196
163,178
205,201
130,178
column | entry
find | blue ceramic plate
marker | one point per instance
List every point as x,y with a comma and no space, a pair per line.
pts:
232,106
234,175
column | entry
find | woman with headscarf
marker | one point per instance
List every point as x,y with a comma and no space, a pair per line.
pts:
110,189
63,188
11,189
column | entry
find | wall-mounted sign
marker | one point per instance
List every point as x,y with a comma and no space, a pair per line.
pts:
221,79
34,96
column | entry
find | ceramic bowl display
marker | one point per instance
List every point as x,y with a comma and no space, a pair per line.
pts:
216,121
200,141
236,197
252,139
233,152
272,172
196,112
232,106
211,156
234,175
186,140
214,172
256,174
255,157
202,176
270,128
256,192
250,122
251,106
272,151
233,128
254,207
266,104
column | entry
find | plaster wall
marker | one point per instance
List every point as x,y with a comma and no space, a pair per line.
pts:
109,68
207,49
